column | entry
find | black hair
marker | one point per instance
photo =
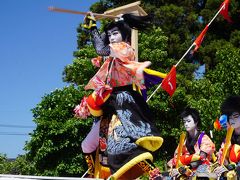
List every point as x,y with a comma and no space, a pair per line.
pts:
230,105
128,22
191,141
194,113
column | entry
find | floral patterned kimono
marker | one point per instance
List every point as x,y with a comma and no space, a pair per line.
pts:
120,69
127,133
233,155
192,154
232,159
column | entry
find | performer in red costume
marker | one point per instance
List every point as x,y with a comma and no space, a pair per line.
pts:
197,149
124,132
231,167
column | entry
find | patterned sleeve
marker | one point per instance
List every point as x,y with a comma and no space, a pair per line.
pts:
172,162
98,42
207,145
122,51
184,151
220,152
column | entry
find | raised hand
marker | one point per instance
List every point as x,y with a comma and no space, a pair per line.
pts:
89,21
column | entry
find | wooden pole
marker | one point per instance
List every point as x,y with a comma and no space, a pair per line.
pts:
96,15
134,42
180,147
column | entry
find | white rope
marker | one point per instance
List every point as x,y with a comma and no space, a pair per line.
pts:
154,92
187,51
85,173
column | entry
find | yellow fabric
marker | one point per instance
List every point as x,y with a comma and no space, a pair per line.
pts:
194,178
155,73
90,163
183,177
97,165
130,164
236,148
89,23
231,175
104,172
96,113
136,88
180,147
227,144
184,160
104,98
99,170
151,143
214,158
234,153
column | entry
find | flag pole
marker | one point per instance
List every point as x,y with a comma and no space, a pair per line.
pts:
223,6
154,92
175,66
185,54
194,43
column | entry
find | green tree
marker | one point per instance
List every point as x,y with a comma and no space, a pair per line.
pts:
14,166
55,145
5,166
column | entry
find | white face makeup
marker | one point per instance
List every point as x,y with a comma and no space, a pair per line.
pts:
189,123
114,35
234,120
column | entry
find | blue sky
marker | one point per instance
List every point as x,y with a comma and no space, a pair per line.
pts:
35,46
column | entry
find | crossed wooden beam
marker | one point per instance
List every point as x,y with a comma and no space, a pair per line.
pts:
132,8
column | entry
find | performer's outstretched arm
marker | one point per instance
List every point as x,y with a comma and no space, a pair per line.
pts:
98,42
101,47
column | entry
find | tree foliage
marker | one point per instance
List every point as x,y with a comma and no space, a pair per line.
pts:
20,165
55,145
5,166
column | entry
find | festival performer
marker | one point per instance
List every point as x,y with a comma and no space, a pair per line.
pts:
230,167
197,149
124,131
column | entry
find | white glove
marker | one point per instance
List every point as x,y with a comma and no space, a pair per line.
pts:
219,170
174,172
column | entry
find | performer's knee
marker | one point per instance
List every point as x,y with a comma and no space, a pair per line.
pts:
84,148
88,147
91,142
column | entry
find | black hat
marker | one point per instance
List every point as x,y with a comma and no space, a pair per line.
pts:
230,105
